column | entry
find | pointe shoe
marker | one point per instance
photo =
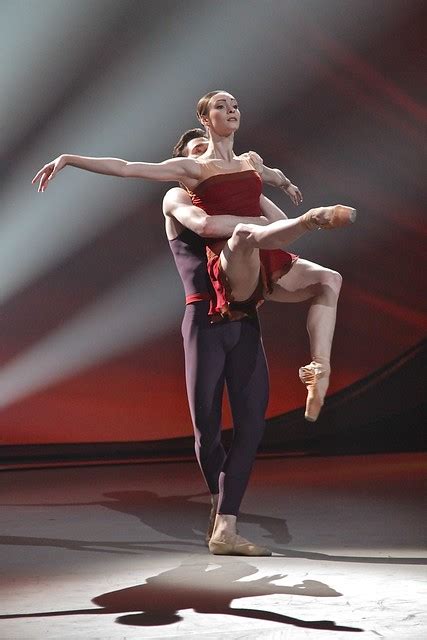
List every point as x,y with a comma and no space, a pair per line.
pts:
212,516
225,541
329,217
311,375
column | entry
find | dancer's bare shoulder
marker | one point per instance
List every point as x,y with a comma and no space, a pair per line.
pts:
254,159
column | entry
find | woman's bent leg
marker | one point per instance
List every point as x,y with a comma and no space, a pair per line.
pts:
309,281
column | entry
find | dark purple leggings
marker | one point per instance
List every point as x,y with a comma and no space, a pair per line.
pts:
230,353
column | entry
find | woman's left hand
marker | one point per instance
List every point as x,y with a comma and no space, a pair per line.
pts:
294,193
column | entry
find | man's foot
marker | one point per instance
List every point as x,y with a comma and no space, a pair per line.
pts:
329,217
237,546
225,540
315,376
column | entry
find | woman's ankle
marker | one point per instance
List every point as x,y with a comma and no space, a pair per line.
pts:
322,360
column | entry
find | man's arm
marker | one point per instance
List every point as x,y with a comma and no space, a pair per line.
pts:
177,204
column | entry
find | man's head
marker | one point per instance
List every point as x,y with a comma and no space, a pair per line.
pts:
191,144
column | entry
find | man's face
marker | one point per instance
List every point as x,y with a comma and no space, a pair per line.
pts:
196,147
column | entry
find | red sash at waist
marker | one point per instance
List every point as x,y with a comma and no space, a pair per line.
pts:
197,297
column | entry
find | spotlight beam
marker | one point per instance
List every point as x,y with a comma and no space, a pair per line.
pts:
127,315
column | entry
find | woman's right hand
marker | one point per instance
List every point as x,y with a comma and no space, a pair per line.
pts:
48,172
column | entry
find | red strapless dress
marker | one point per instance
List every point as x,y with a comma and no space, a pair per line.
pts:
236,194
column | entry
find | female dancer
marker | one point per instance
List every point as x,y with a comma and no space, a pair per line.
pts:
304,281
239,258
222,182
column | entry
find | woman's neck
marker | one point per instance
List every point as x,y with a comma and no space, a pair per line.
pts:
220,148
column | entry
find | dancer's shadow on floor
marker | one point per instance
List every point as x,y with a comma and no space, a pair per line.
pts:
129,547
192,586
183,517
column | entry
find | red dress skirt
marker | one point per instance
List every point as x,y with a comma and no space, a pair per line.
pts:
237,194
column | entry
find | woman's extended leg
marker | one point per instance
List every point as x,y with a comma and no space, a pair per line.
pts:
309,281
281,233
240,255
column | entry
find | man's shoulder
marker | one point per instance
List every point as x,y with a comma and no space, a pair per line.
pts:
176,196
174,192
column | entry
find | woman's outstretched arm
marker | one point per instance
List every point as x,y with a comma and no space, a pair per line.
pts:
169,170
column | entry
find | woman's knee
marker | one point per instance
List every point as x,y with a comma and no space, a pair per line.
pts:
243,237
331,279
335,281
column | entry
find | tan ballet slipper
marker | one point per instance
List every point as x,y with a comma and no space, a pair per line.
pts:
225,540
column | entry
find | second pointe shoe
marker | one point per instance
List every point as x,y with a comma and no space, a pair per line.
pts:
315,376
225,541
329,217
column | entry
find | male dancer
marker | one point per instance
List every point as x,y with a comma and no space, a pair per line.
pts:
215,354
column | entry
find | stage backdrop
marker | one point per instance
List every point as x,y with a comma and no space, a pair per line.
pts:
91,305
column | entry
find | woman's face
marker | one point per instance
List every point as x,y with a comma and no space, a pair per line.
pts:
224,115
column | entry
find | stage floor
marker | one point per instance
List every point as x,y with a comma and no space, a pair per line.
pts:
117,552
